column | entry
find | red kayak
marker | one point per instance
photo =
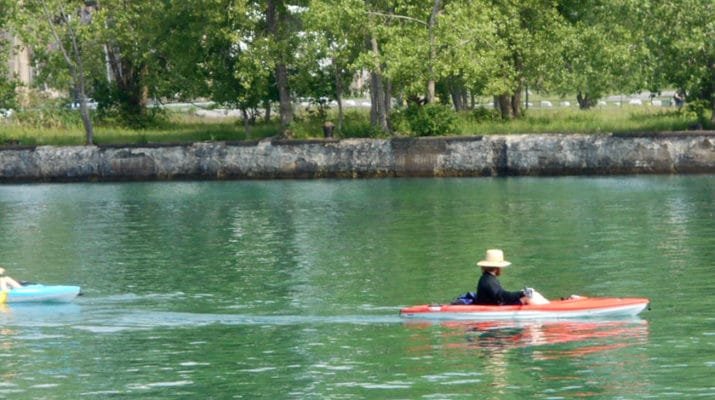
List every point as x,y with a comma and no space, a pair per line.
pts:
582,307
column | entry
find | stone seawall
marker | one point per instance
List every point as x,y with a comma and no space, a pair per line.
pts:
498,155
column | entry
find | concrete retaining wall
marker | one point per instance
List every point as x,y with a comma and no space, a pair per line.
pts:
498,155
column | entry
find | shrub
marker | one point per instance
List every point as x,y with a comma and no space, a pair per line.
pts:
116,107
697,109
52,114
357,125
483,114
429,119
7,94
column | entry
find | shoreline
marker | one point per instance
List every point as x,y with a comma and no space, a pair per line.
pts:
688,152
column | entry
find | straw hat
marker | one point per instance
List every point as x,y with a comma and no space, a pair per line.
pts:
494,258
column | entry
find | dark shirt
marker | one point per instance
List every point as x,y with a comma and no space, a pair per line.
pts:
490,292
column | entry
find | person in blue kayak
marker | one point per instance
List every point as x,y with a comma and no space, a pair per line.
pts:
7,283
489,290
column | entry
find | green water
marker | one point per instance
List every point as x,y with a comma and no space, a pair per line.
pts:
291,289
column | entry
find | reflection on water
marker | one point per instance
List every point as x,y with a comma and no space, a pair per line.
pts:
583,337
575,338
503,347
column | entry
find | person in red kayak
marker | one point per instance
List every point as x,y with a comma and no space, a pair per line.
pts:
489,290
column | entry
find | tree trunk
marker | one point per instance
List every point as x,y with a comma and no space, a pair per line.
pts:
377,102
267,108
378,113
387,84
75,64
516,97
459,94
128,78
86,120
456,99
712,91
246,122
432,51
516,102
584,102
339,94
83,109
285,106
504,105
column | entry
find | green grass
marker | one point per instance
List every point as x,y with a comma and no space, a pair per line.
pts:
174,128
182,128
66,129
572,120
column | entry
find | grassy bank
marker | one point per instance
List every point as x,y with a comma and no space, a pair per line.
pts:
174,128
603,120
66,129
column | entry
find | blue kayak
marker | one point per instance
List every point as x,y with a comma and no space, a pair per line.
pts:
40,294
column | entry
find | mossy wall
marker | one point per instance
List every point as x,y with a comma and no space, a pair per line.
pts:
497,155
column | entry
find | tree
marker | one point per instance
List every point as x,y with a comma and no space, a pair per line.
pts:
401,42
431,33
469,50
527,32
682,47
238,61
179,38
238,53
214,50
7,85
404,50
601,50
130,32
483,46
278,29
68,32
382,28
336,30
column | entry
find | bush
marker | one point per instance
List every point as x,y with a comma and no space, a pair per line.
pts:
52,114
357,125
7,94
697,109
116,107
429,119
483,114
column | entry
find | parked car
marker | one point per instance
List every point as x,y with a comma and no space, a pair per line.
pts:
6,113
91,104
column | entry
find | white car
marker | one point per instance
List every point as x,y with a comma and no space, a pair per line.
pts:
6,112
91,104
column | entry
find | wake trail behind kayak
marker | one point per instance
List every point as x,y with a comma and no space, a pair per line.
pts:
104,320
145,319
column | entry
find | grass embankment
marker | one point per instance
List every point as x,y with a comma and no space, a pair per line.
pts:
601,120
186,127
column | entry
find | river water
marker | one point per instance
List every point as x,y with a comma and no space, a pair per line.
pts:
291,289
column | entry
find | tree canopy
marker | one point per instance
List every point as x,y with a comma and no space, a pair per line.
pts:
252,54
7,86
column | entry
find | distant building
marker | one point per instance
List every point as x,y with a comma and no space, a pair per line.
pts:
19,65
